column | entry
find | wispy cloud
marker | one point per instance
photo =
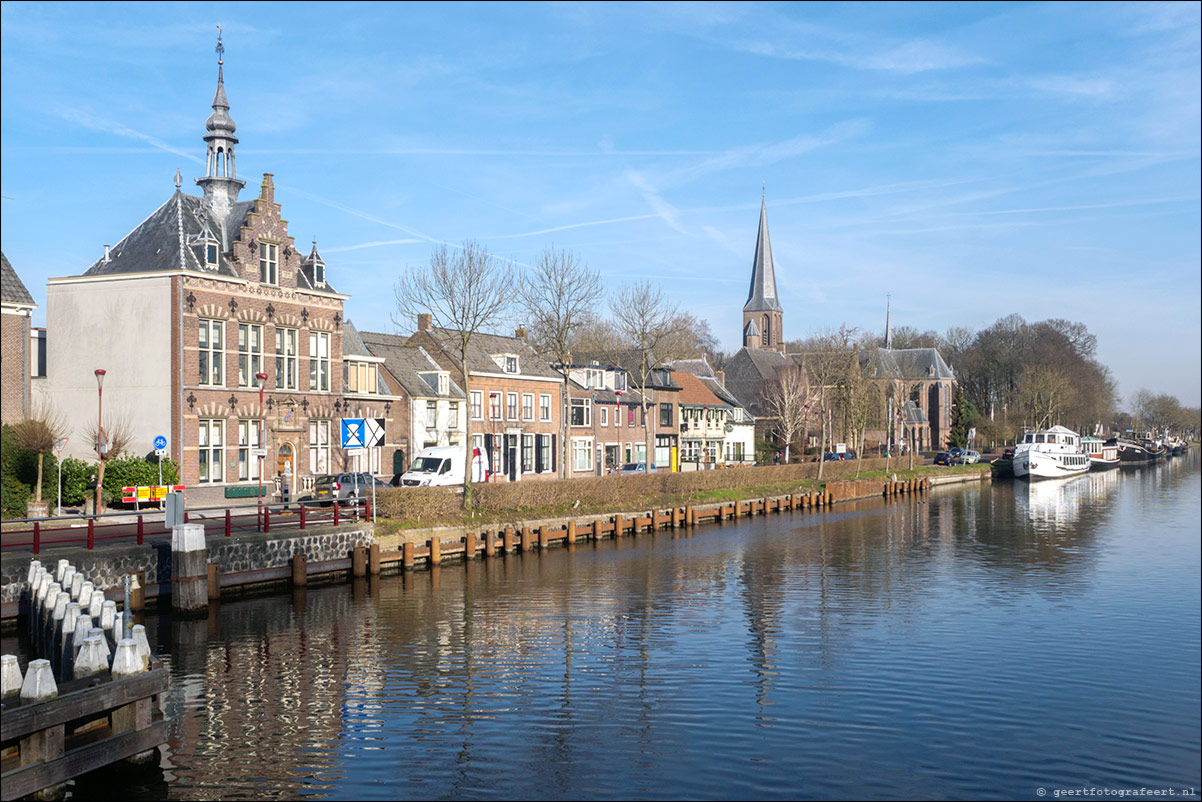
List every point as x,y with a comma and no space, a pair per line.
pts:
375,244
94,123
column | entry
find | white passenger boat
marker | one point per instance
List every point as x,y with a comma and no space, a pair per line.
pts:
1048,453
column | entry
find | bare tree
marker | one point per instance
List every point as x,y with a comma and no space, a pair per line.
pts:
464,291
786,400
116,437
559,295
650,327
39,433
827,361
1045,393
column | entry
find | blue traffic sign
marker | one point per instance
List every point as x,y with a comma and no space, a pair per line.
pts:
160,442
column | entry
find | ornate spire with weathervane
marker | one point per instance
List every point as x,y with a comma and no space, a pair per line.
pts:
220,183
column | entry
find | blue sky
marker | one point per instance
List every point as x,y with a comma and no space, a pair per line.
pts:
973,160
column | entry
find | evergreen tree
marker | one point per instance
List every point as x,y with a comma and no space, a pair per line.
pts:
964,414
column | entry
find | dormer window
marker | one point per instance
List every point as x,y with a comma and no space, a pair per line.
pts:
511,364
269,263
319,274
620,381
444,384
211,255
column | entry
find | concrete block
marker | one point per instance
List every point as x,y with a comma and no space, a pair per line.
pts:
188,537
92,658
85,594
39,682
10,675
34,565
126,661
58,571
96,604
142,644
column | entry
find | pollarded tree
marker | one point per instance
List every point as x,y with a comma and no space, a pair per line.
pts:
465,292
39,433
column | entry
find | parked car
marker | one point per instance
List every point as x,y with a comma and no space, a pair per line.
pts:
444,466
971,457
839,456
1008,453
948,458
345,487
636,467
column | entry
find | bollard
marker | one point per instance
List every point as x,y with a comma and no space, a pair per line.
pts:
108,618
91,659
596,530
126,661
490,544
407,554
435,551
76,585
142,644
617,526
34,565
10,675
542,538
68,578
99,632
83,625
571,535
84,596
46,619
469,546
65,654
96,603
359,561
39,683
526,540
300,573
213,580
507,541
189,577
137,592
373,559
675,518
60,569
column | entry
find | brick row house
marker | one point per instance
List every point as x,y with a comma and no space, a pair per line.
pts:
606,423
434,406
514,399
187,311
16,307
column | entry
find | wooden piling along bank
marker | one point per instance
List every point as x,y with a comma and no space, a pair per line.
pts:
527,538
92,697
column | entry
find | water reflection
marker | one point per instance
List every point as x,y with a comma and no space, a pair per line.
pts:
972,642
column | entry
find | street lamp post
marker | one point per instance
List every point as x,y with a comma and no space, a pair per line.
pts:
262,377
99,435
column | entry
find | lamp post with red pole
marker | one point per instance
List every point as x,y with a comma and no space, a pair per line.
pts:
262,377
99,435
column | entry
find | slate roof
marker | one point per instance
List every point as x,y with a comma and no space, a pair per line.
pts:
404,362
910,363
12,290
761,297
482,348
698,367
747,371
171,237
352,346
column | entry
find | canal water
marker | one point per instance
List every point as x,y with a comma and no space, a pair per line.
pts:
997,641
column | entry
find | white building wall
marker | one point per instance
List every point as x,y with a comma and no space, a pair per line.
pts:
122,325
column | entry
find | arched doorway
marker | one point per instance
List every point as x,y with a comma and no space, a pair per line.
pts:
286,465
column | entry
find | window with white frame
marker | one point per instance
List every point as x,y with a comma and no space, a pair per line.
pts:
511,406
603,412
444,384
319,361
527,406
494,406
285,358
269,263
212,450
544,447
211,255
544,407
212,351
511,364
248,439
453,415
582,454
360,377
431,414
630,416
527,453
582,412
250,353
690,450
319,446
319,273
620,381
477,402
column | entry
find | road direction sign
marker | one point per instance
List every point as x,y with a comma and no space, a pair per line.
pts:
258,452
160,443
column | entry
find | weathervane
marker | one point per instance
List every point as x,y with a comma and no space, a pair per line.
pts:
220,47
177,178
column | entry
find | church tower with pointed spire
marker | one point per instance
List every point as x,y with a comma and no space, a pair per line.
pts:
762,314
220,182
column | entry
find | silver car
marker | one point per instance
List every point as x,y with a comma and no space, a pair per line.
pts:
345,487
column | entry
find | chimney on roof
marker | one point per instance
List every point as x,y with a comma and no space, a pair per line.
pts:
106,254
520,333
423,322
720,375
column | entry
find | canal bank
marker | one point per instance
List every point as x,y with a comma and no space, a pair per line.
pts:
255,562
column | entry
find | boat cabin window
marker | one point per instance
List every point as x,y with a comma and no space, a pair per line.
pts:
1028,439
1039,438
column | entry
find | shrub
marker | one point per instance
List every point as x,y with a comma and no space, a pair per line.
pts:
129,471
78,478
13,496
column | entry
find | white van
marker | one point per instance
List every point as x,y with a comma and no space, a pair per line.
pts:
443,466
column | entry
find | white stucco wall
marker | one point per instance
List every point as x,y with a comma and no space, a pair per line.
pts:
122,325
